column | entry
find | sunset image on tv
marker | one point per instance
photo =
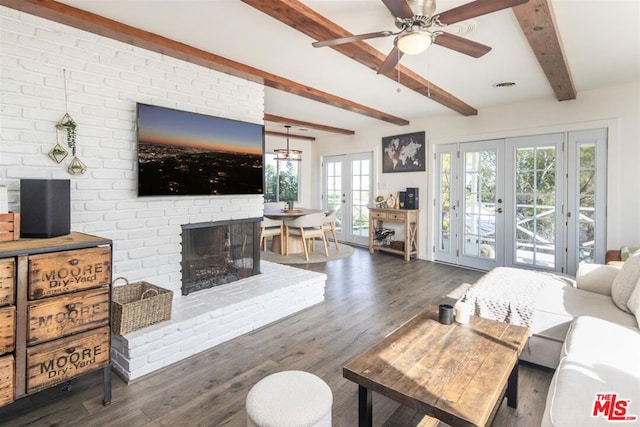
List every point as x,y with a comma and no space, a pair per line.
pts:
183,153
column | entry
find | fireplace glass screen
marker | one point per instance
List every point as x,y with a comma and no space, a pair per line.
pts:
217,253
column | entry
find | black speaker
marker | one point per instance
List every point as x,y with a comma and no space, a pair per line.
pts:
412,198
44,207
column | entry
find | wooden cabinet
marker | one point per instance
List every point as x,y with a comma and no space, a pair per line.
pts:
55,300
408,217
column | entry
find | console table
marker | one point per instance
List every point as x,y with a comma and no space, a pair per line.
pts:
409,217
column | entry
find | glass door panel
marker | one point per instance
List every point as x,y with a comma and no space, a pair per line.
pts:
348,183
482,205
333,191
534,202
535,206
446,204
587,195
360,196
586,209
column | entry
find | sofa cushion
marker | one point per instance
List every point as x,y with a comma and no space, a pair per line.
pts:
575,386
599,357
557,306
592,339
596,277
625,281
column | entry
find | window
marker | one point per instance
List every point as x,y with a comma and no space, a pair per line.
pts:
280,180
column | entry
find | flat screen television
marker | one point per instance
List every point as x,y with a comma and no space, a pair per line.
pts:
184,153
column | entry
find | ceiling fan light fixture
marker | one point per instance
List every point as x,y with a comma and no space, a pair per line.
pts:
414,42
288,154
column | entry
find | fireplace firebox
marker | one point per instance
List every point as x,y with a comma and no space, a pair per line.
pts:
220,252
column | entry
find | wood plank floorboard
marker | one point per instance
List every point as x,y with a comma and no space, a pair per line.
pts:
367,297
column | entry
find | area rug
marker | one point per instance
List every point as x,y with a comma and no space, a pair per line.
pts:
314,256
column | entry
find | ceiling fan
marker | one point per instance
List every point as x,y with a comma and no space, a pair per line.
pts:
419,27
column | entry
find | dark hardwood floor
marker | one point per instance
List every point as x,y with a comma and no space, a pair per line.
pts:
367,296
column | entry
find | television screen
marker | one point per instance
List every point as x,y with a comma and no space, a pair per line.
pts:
183,153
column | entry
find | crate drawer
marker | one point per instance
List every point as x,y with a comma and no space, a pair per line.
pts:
7,329
60,272
397,216
7,378
7,281
56,361
378,215
52,318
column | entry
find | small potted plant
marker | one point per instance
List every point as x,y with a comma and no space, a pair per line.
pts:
70,126
58,153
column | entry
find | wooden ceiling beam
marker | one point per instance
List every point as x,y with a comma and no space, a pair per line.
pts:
96,24
292,136
300,123
537,21
304,19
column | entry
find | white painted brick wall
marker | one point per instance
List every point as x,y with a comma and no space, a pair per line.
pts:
105,79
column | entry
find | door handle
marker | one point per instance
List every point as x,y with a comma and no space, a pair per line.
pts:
499,210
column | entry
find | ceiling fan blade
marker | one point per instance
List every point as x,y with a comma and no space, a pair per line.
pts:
350,39
462,45
398,8
391,61
476,8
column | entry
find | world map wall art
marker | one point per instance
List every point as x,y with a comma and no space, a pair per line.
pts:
404,153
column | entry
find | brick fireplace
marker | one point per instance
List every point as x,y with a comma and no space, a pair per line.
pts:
106,80
209,317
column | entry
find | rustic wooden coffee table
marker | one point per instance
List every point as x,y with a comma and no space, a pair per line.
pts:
456,373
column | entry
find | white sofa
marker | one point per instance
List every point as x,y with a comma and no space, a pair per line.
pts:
586,328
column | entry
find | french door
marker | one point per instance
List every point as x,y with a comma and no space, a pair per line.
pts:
482,204
470,214
509,202
347,188
535,191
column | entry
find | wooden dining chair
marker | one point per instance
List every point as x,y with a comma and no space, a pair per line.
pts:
271,228
329,226
308,227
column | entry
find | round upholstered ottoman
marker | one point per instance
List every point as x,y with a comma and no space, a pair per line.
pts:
289,399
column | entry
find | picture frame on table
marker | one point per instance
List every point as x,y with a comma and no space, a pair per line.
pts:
404,153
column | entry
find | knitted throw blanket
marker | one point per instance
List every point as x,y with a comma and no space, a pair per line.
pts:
509,294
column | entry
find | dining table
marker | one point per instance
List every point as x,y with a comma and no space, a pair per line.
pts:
294,244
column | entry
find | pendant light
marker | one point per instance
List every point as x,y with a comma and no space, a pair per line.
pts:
288,154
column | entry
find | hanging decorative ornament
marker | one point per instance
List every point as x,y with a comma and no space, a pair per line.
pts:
58,153
70,127
76,167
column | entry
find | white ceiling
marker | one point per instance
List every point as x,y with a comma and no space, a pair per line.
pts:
601,40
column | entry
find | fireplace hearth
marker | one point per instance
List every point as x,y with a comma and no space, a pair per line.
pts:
220,252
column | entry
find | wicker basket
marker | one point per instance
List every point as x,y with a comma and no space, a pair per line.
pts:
137,305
